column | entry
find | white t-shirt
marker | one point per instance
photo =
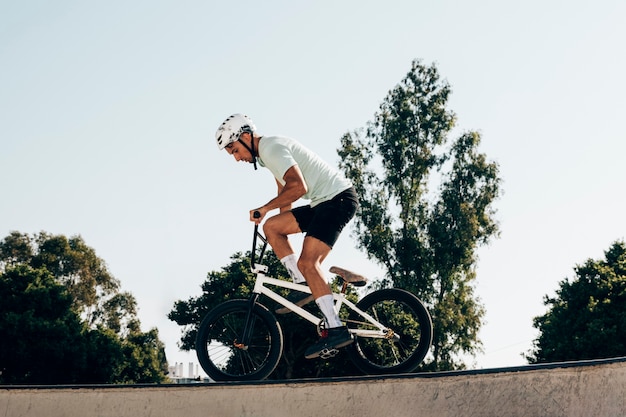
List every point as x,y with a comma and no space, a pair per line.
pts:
279,153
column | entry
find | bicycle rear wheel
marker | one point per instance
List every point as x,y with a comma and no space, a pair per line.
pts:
409,330
220,337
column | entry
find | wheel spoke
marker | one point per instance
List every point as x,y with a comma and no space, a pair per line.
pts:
404,315
220,345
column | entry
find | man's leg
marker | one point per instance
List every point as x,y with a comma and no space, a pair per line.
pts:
277,229
314,251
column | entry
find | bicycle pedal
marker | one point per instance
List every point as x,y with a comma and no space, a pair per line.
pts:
328,353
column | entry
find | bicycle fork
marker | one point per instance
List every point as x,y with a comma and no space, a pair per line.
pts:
249,325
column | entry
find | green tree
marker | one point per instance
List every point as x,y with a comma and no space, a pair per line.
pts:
587,318
426,205
62,307
148,363
40,336
236,281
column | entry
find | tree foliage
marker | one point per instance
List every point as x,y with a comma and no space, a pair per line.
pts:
425,239
587,318
236,281
75,266
64,320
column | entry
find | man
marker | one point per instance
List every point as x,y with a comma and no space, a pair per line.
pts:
299,173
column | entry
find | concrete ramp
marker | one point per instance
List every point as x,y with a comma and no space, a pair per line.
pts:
585,389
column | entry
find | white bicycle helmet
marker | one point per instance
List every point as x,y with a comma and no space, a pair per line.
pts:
232,128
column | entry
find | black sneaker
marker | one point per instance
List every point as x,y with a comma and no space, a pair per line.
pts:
328,345
296,297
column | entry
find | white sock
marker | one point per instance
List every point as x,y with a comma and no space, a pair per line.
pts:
291,263
326,304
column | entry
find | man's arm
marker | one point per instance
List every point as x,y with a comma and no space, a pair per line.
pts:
280,189
294,188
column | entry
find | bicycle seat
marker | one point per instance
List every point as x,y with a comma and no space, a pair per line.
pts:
349,276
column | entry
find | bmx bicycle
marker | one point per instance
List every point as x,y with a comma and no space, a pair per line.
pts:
241,339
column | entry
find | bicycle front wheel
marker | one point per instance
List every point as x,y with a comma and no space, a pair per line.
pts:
225,355
408,332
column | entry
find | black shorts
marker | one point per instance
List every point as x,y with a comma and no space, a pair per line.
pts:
326,220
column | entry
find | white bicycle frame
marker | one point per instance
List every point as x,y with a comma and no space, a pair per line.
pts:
260,287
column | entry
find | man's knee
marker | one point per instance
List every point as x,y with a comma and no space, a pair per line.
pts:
282,224
271,227
267,227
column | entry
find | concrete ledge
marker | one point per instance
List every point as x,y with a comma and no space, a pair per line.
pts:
585,389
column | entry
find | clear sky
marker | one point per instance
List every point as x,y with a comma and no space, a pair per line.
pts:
108,112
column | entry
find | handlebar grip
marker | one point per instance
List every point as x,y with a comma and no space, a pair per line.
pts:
256,214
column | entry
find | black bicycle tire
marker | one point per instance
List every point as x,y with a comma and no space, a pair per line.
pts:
363,351
231,314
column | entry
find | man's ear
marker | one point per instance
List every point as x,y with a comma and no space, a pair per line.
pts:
247,138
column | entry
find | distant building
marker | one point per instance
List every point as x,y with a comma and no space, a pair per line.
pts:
176,374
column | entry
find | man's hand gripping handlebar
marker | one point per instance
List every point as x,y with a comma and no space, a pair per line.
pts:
257,215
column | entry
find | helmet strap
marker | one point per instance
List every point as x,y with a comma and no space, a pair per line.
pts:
251,150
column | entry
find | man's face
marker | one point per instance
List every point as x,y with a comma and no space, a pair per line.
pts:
238,151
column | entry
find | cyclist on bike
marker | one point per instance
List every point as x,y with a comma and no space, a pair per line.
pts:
299,173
